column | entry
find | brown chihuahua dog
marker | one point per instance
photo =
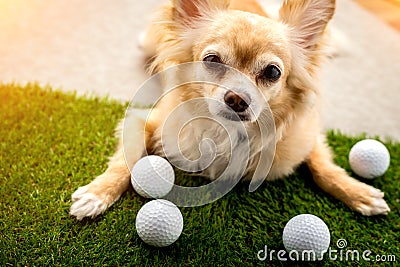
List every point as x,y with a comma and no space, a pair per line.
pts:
280,56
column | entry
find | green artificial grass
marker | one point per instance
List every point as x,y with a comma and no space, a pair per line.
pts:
53,142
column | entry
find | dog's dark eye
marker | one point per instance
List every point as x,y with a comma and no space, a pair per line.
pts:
214,65
213,59
271,73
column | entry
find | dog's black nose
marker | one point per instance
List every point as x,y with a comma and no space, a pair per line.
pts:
239,102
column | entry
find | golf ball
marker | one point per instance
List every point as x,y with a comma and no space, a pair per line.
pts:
304,233
152,177
369,158
159,223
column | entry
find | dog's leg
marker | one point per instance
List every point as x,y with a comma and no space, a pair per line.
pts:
335,181
94,198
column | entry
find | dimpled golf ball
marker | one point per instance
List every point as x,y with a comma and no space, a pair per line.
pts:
159,223
152,177
369,158
306,232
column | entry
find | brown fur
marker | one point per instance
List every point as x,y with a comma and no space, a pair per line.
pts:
247,39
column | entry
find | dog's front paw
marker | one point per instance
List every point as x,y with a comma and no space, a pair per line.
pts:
86,204
370,202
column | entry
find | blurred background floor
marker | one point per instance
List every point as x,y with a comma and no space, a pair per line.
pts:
387,10
91,47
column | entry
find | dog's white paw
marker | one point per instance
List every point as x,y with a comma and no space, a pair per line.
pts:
373,203
85,204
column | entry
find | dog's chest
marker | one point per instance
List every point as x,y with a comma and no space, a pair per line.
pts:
207,148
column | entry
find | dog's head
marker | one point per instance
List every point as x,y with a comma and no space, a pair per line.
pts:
279,56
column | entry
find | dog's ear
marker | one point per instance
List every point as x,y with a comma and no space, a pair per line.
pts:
307,18
189,10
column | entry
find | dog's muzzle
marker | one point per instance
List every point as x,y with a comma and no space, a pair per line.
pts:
238,104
